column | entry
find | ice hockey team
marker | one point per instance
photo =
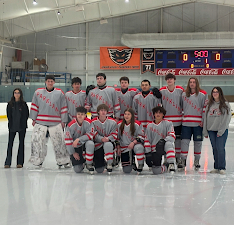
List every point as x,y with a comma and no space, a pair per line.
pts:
127,125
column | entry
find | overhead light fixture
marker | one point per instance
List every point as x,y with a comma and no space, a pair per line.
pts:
34,2
126,0
103,21
59,13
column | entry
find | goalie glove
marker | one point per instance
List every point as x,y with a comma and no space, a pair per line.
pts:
156,93
89,88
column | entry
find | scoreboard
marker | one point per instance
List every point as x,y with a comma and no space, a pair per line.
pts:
194,62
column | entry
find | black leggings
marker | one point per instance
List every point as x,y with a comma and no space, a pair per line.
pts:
20,155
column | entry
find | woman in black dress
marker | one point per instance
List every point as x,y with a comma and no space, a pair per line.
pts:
17,114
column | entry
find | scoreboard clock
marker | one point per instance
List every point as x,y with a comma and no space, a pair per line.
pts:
195,62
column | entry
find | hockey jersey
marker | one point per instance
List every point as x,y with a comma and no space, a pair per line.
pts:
143,107
106,96
154,132
108,128
49,108
125,99
74,100
126,138
84,132
194,108
172,103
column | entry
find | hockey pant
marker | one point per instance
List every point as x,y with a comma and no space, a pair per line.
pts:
127,157
39,144
106,151
185,149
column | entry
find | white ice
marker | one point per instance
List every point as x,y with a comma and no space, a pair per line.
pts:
31,196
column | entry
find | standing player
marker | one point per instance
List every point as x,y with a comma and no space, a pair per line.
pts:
105,134
144,102
78,138
125,95
75,98
194,103
49,115
103,94
159,140
130,138
172,103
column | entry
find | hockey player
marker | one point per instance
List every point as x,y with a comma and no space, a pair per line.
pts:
130,139
125,95
78,138
103,94
172,103
159,139
105,134
75,98
49,115
144,102
194,103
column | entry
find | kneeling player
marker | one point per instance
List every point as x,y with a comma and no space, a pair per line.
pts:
78,137
105,134
130,137
159,140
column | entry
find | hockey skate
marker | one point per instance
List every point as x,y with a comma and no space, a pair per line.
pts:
90,168
171,168
140,168
196,164
179,164
116,161
182,165
109,168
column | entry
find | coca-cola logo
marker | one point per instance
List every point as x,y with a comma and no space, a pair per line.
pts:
165,72
228,72
188,72
209,72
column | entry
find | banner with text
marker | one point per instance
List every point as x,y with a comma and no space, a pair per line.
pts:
119,58
193,72
148,60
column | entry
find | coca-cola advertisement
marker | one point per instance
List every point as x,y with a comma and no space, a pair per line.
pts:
196,72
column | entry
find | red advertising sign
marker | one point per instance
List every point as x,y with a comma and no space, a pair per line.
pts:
193,72
119,58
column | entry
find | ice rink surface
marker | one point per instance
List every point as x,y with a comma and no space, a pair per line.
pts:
31,196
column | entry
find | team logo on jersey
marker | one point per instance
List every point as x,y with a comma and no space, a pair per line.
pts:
120,57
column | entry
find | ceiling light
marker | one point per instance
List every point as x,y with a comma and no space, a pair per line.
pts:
59,13
103,21
126,0
34,2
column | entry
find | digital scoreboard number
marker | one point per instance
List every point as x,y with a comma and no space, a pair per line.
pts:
195,62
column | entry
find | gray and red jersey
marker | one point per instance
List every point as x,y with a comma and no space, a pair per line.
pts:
49,108
108,128
143,107
194,108
154,132
126,138
74,100
106,96
125,99
74,130
172,103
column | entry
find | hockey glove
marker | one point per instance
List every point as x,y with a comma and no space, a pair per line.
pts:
89,88
156,93
140,140
160,147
